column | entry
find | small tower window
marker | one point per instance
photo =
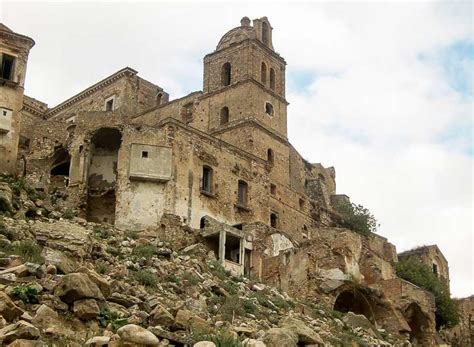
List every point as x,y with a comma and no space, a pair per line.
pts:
226,74
273,189
242,193
263,73
301,203
159,99
274,220
207,179
269,109
109,104
272,79
265,33
270,156
7,65
224,115
435,269
144,154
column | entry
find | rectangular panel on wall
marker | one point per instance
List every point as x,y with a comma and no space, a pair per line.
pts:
151,163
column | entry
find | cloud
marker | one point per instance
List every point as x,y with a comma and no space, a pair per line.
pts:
381,91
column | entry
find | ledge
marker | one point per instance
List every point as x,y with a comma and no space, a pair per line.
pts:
141,177
242,208
208,194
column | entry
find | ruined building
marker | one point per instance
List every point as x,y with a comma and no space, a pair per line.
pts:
221,161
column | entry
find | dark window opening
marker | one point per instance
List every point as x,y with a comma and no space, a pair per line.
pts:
274,220
238,226
226,74
263,73
224,115
321,178
8,63
265,33
144,154
61,170
242,193
301,203
109,105
202,223
232,248
272,79
435,269
270,156
305,228
159,97
269,109
273,189
207,179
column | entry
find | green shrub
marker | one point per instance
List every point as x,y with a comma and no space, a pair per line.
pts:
6,232
102,233
249,306
231,287
144,251
146,278
172,278
421,275
134,235
106,316
218,270
191,278
232,307
102,268
26,293
221,338
69,214
29,251
357,218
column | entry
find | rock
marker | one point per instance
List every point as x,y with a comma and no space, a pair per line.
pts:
8,309
86,309
101,282
305,334
51,269
44,316
19,330
138,335
333,274
187,320
18,271
58,259
118,309
27,343
161,316
358,320
35,269
5,197
7,278
76,286
330,285
253,343
204,344
98,341
258,287
280,337
63,236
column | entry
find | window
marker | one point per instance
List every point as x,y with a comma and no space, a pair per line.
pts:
109,104
226,74
207,179
273,189
144,154
263,73
301,203
265,33
5,112
274,220
159,97
270,156
8,64
242,193
321,178
435,269
269,109
272,79
224,115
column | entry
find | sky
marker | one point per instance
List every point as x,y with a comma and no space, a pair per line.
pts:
382,91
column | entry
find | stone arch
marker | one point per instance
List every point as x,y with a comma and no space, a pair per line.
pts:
59,172
102,175
419,324
354,300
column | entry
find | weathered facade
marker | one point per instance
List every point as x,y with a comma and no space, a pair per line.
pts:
220,160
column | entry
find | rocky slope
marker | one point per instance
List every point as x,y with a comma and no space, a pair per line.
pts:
67,282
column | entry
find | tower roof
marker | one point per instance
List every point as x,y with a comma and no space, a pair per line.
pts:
236,35
3,27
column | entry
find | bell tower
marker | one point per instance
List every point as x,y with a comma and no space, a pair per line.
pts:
244,79
14,50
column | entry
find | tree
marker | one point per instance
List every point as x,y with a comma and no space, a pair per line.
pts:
357,218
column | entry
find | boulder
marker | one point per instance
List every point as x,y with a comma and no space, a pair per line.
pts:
63,236
76,286
5,197
137,335
8,309
44,316
98,341
101,282
161,316
19,330
18,271
28,343
124,300
305,334
280,337
358,320
62,262
204,344
86,309
330,285
187,320
253,343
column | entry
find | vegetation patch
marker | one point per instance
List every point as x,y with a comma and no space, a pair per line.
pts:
107,317
357,218
146,278
28,250
26,293
221,338
144,251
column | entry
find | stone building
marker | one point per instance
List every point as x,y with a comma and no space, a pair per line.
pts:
220,161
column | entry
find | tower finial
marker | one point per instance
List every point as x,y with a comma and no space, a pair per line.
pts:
245,21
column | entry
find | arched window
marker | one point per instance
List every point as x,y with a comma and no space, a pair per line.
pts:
269,109
265,33
202,223
274,220
242,193
322,178
263,73
207,179
272,79
270,156
159,98
224,115
226,74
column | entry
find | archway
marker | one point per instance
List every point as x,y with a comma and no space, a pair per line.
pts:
59,173
354,301
418,323
102,175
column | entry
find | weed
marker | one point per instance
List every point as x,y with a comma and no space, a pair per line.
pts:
106,317
146,278
69,214
26,293
144,251
102,268
28,250
191,278
102,233
221,338
134,235
218,270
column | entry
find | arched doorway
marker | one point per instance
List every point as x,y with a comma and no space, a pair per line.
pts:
59,173
354,301
102,175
